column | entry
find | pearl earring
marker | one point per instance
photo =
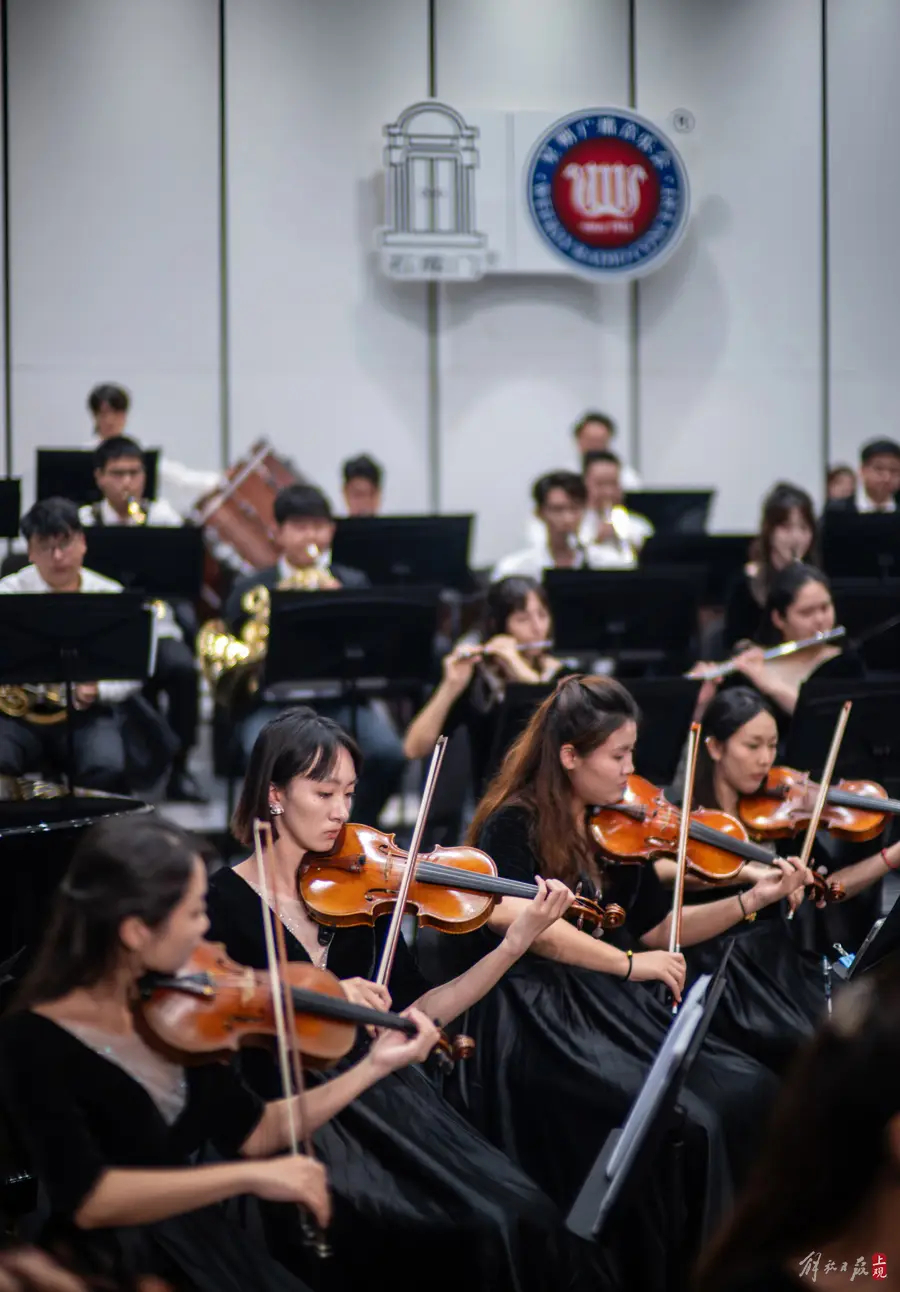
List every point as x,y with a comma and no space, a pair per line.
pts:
275,809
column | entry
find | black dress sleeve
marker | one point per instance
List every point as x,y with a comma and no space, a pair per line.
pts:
505,838
638,889
227,1110
37,1088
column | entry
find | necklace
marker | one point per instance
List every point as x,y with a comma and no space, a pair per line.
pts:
299,928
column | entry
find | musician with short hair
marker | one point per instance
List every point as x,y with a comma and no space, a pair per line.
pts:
304,529
362,485
56,550
122,479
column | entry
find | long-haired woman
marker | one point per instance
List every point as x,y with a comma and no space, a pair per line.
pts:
408,1174
111,1121
822,1205
564,1043
787,533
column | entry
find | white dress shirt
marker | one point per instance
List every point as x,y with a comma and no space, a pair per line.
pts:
159,513
184,484
533,561
609,554
28,579
865,505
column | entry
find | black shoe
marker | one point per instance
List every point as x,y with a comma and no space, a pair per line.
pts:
182,788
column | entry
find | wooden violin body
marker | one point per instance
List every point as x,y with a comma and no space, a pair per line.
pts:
854,810
453,890
644,825
217,1005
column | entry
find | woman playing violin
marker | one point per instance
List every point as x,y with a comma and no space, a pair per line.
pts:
564,1042
405,1168
110,1122
513,648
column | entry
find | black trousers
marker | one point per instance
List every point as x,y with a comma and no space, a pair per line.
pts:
99,751
176,675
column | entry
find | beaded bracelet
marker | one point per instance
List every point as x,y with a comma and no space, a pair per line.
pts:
749,917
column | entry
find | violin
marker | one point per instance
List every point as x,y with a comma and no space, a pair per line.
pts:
854,810
453,890
644,825
217,1005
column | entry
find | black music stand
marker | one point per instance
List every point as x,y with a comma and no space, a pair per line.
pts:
75,637
722,557
861,546
162,562
644,616
10,507
369,641
871,745
406,550
629,1151
870,611
672,511
69,473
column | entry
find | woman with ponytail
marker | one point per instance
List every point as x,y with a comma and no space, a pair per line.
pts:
565,1041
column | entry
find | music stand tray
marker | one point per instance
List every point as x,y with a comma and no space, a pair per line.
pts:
630,1149
646,615
69,473
72,637
352,636
682,511
158,561
406,550
10,507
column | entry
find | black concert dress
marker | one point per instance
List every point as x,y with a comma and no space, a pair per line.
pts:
80,1113
413,1184
561,1053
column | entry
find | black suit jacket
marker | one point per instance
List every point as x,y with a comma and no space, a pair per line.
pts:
236,617
842,504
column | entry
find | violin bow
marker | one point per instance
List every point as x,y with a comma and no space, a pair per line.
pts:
693,745
824,785
289,1060
389,950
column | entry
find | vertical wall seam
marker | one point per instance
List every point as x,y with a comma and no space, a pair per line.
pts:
433,319
224,303
4,216
634,287
825,362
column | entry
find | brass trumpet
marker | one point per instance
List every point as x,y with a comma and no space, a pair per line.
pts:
136,512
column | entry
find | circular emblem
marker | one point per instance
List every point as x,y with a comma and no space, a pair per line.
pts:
608,192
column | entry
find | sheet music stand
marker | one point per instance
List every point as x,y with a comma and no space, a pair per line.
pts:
69,473
870,611
672,511
159,561
369,641
407,550
871,745
10,507
644,616
722,557
861,546
72,637
629,1151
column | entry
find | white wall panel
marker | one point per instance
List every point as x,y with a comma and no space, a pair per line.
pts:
731,327
864,195
114,219
521,357
327,357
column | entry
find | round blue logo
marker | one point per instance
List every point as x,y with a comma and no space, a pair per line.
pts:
608,192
